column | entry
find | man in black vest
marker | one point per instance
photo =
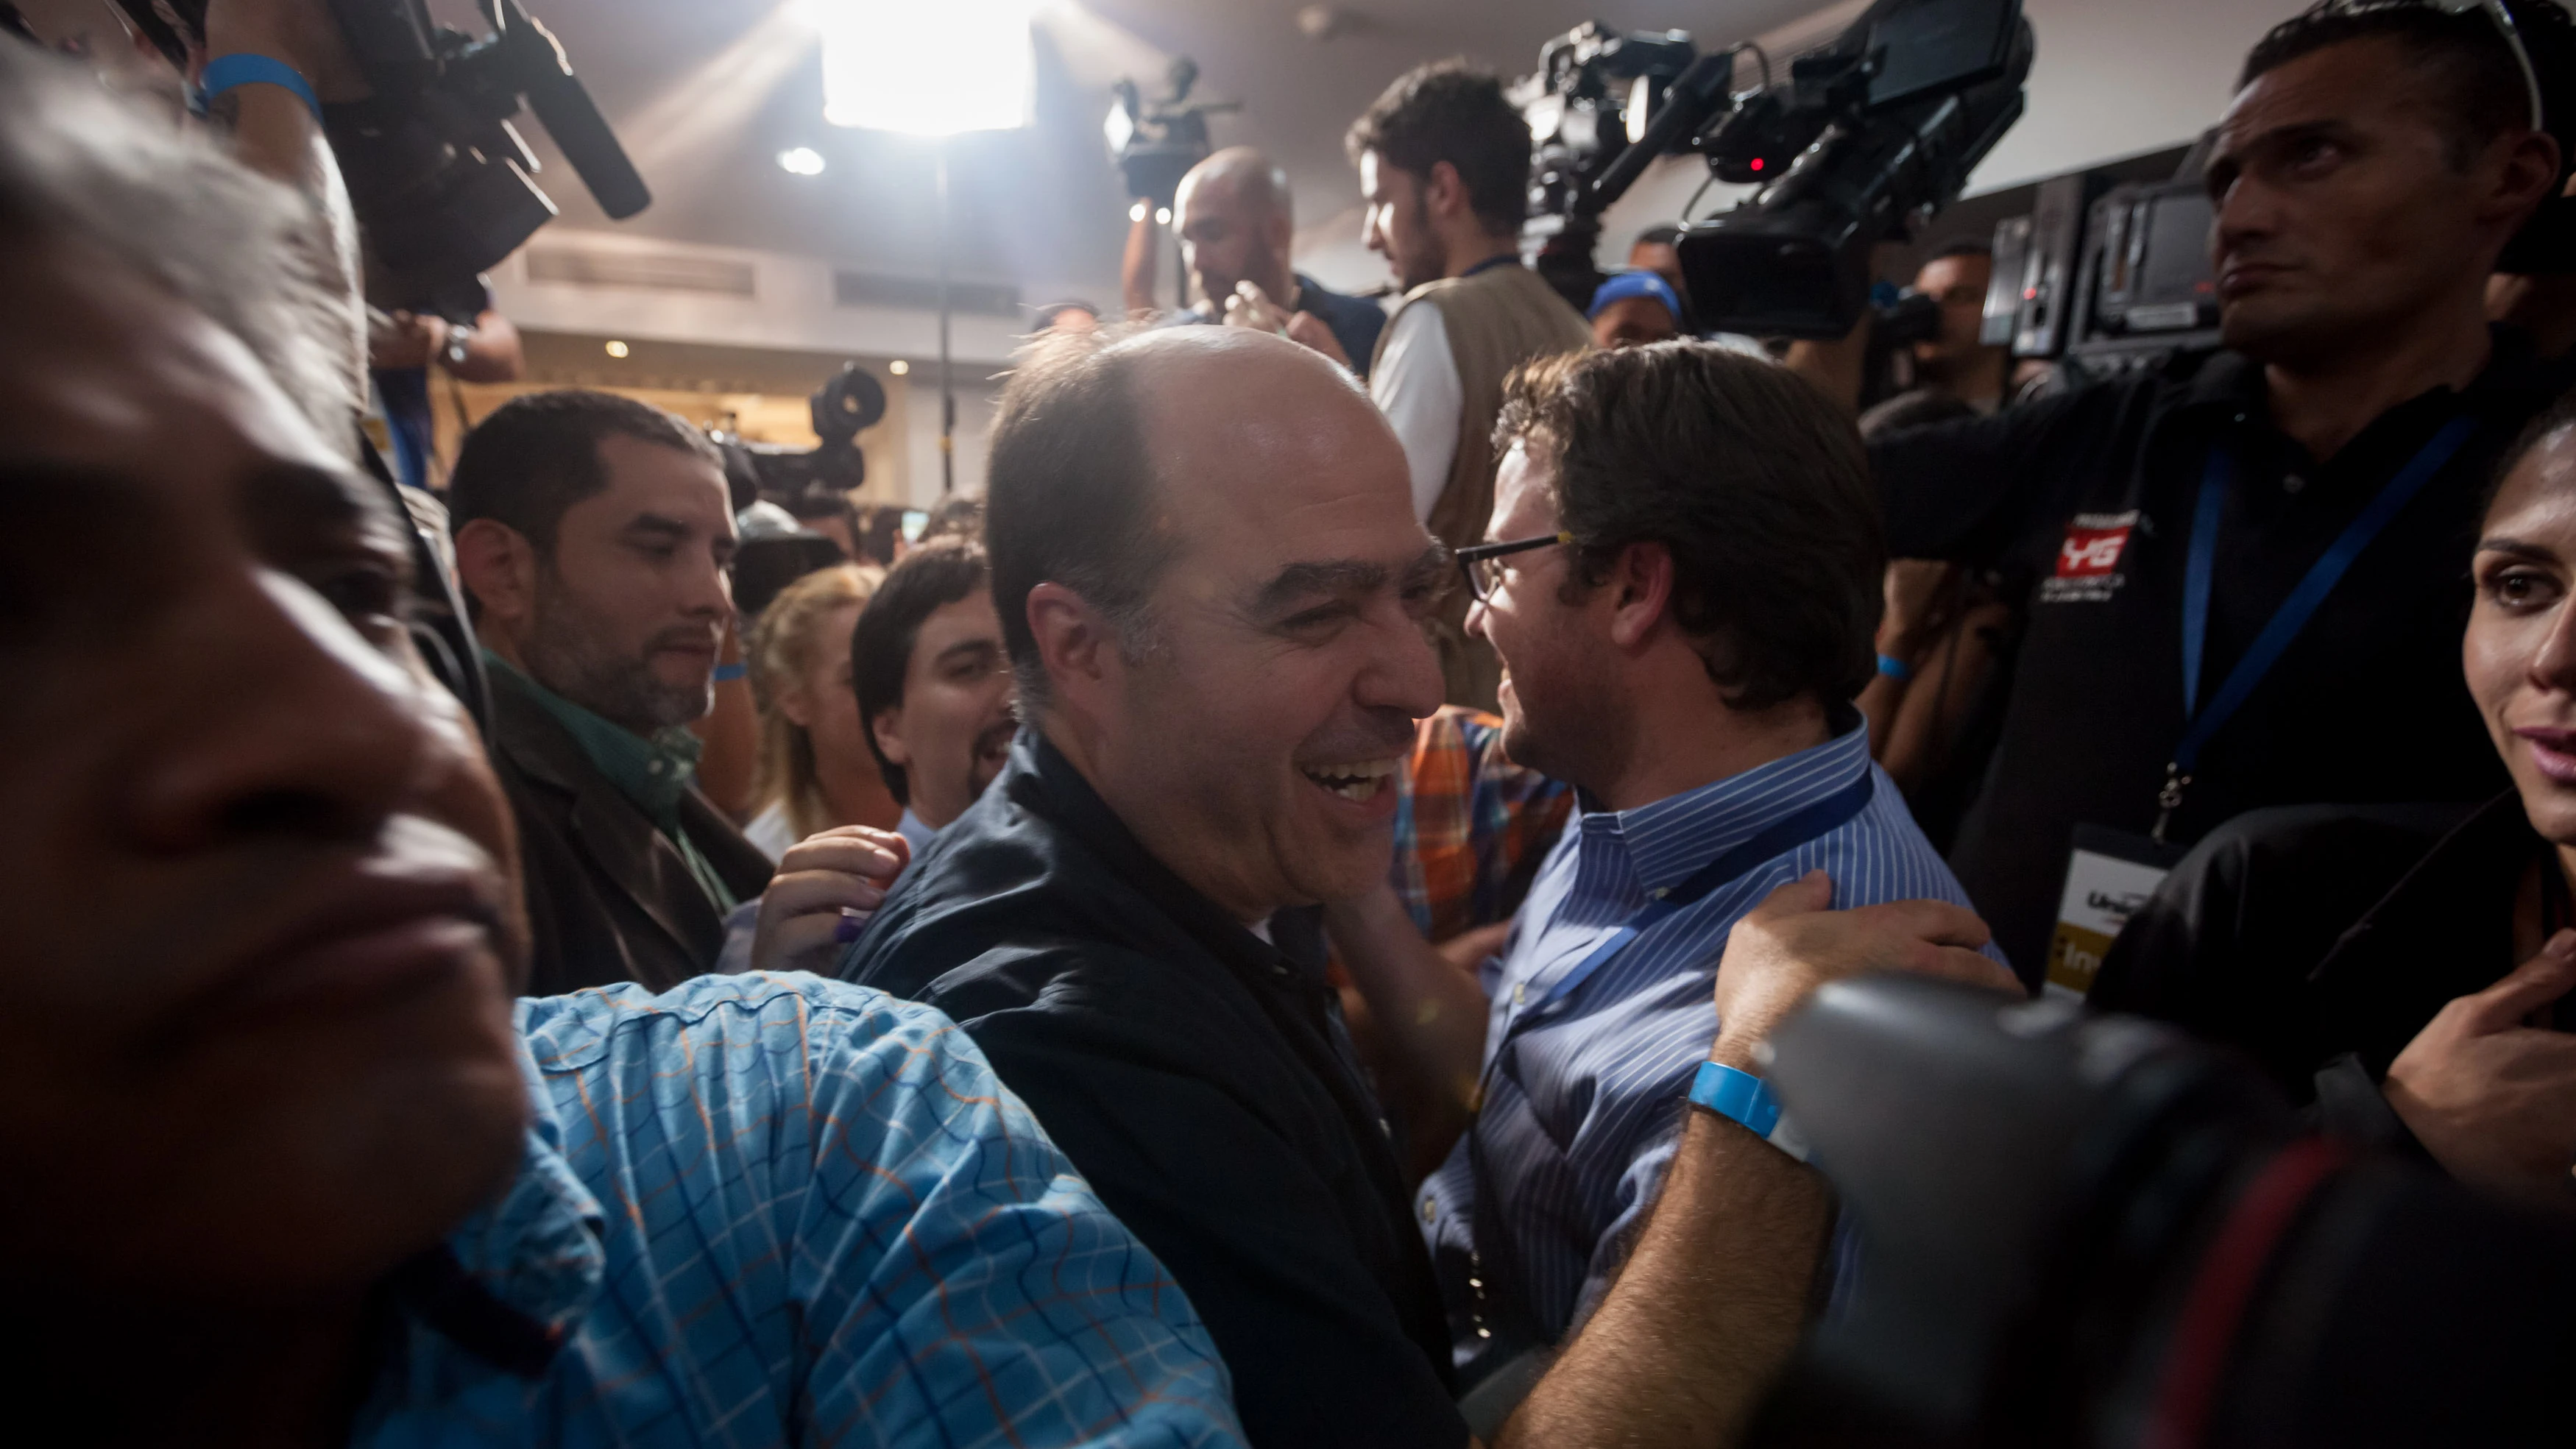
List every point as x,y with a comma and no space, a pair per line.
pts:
594,532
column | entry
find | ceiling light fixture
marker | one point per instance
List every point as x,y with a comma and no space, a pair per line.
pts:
927,70
616,349
898,367
801,161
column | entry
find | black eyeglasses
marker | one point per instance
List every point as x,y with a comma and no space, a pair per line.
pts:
1483,565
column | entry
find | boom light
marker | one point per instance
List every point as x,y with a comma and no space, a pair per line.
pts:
926,69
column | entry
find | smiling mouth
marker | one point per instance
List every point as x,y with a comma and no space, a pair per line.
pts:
995,742
1358,781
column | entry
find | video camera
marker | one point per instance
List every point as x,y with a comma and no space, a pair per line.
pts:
848,404
439,178
1869,136
1155,143
2091,1231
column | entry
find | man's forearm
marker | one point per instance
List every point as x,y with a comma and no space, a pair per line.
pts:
1429,1014
1704,1315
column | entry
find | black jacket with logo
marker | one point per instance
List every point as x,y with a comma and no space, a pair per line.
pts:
2084,503
609,897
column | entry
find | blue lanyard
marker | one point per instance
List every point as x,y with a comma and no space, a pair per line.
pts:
2199,575
1782,836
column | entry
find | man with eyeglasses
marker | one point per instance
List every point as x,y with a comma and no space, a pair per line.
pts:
1211,584
2242,584
1682,585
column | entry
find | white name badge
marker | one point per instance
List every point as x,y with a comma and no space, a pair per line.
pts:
2109,875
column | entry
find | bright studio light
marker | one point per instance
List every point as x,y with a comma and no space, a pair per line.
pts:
926,70
1136,212
899,367
616,349
801,161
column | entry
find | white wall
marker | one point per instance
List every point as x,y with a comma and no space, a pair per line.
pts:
2116,78
792,307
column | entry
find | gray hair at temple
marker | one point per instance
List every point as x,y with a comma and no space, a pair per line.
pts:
115,179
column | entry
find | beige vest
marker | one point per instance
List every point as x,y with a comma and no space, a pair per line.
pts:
1496,320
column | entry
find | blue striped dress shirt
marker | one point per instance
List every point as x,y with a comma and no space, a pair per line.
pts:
1530,1214
770,1209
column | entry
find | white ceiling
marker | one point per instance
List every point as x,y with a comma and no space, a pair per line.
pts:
707,92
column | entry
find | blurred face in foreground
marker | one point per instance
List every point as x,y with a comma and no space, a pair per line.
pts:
255,897
2520,650
1252,742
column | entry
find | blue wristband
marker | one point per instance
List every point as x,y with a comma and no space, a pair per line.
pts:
225,72
1746,1099
1895,668
727,673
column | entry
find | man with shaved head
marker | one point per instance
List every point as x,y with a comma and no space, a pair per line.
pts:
1212,587
1235,223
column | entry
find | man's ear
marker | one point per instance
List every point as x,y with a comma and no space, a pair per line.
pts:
498,566
1443,192
1641,590
1075,643
2528,175
887,729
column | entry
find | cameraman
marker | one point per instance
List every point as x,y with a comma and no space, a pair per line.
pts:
2375,162
1444,164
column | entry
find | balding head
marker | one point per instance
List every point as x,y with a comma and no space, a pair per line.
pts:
1211,579
1235,221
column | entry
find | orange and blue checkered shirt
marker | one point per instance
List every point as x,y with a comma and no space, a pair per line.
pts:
774,1209
1472,826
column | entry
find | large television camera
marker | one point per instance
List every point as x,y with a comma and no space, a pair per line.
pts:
2091,1231
1866,138
439,178
1155,142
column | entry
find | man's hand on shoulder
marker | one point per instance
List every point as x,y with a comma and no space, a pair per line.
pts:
826,886
1794,942
2494,1099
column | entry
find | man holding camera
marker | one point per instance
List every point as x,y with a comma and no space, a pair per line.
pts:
2243,587
1236,221
1444,164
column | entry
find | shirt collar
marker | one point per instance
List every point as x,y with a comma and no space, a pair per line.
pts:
653,772
515,1280
2230,381
1669,839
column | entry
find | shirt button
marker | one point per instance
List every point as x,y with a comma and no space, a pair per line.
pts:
2293,483
1429,1212
1520,992
658,766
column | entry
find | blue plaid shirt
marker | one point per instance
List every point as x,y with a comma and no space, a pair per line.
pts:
764,1210
1529,1217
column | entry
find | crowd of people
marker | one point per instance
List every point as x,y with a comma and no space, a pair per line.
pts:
1264,926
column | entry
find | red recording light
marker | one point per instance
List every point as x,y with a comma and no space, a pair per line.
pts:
2030,294
1757,163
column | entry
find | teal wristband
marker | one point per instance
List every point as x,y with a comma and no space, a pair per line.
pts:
1745,1099
1895,668
226,72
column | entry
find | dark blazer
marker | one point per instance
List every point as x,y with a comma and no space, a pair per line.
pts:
2302,934
609,898
1202,1081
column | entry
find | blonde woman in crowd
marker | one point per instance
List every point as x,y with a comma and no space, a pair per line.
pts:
815,771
